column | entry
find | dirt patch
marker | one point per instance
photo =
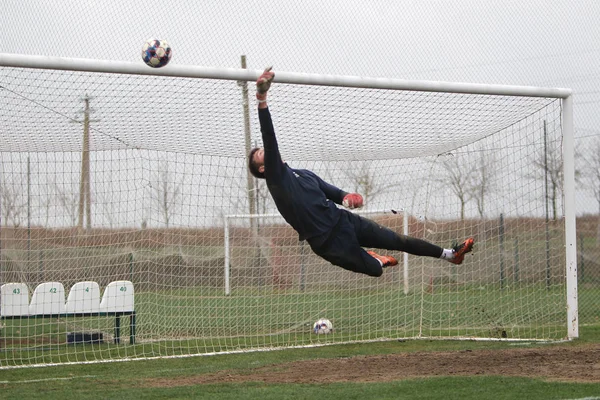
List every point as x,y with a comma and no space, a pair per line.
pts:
564,363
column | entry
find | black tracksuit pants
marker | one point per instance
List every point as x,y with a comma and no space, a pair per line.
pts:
344,245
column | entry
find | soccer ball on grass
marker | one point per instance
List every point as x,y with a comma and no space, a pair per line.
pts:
156,53
323,326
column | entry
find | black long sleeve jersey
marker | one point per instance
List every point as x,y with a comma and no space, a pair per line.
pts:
304,200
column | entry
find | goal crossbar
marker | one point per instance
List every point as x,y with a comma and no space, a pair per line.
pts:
238,74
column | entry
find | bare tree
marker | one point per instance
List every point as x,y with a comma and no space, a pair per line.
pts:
548,166
591,175
166,192
364,177
13,203
108,206
592,170
458,179
363,180
46,200
261,196
69,201
481,178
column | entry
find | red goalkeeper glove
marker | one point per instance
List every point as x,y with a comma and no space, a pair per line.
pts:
352,200
264,83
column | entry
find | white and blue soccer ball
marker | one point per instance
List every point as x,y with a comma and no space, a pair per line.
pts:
156,53
322,326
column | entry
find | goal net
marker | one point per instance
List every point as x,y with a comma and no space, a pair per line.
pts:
140,181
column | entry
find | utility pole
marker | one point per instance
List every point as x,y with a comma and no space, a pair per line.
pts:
85,191
250,180
248,142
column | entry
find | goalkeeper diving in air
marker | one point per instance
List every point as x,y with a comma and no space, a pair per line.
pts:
308,204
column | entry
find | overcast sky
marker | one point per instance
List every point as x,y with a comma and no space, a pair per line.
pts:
535,42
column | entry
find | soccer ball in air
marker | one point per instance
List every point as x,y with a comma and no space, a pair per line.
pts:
156,53
323,326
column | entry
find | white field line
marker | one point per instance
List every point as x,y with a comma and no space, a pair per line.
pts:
68,378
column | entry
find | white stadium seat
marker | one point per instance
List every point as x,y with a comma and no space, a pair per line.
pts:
84,297
118,297
14,299
48,299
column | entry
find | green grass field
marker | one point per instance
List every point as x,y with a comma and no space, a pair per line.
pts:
135,379
191,321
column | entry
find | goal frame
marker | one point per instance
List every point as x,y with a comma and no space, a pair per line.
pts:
192,71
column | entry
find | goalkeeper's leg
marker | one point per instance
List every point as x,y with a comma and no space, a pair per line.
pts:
371,234
342,248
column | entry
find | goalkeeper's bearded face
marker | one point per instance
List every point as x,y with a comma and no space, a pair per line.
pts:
256,162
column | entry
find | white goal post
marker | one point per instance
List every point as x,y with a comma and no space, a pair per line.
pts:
116,172
193,71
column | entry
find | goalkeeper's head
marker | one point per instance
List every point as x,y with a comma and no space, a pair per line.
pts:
256,162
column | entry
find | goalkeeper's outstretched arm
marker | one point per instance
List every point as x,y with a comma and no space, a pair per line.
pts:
268,157
272,162
339,196
263,84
